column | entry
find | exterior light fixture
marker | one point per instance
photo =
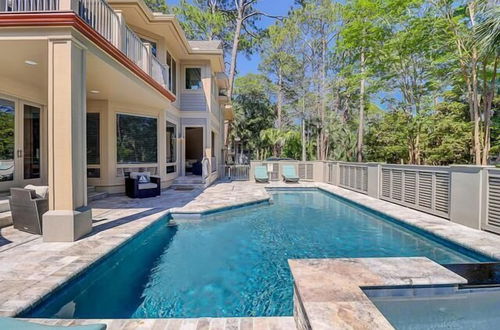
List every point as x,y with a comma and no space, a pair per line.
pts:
30,62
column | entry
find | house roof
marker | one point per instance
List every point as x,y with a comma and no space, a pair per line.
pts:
205,44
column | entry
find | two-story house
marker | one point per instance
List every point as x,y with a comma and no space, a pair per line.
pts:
91,90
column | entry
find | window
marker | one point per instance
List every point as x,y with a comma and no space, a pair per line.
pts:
93,138
171,169
171,143
136,140
193,78
172,73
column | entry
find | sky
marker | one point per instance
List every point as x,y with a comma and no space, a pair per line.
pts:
273,7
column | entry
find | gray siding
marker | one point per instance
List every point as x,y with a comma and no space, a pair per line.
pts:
193,102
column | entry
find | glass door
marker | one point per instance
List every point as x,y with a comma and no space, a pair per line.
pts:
20,144
31,150
8,143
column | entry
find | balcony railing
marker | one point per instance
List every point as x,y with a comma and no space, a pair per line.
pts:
107,22
28,5
159,72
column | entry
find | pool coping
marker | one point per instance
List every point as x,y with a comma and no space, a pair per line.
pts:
328,293
479,241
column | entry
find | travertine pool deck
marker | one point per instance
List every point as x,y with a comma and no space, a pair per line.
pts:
30,268
328,294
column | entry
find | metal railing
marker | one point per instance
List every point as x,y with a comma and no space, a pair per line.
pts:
236,172
99,15
213,162
159,72
28,5
135,49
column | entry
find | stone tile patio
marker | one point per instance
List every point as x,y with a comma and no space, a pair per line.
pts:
328,294
31,268
244,323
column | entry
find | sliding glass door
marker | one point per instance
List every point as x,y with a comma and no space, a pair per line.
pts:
20,143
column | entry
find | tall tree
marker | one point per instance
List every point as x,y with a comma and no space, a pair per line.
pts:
362,33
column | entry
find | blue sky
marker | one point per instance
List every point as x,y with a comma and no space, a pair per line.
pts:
272,7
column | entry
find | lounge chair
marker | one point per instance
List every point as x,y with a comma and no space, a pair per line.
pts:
13,324
261,174
289,174
28,206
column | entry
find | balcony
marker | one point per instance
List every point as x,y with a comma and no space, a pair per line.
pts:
108,23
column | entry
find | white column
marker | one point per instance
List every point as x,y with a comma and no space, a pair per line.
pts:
68,217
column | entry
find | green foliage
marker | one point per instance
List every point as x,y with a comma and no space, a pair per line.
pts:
158,6
387,138
253,111
446,135
416,57
201,21
6,136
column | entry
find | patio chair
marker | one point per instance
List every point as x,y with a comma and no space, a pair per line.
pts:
28,207
13,324
260,174
289,174
142,185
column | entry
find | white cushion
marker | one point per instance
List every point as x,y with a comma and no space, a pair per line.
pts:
134,175
147,186
41,191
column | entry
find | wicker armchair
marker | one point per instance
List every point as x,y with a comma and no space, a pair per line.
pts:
27,210
136,189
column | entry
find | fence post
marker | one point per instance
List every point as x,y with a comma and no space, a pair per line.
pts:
373,173
68,5
251,171
466,194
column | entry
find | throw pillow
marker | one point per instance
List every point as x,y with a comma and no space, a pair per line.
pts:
143,179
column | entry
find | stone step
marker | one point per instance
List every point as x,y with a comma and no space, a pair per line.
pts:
96,195
179,186
5,219
90,189
4,204
182,180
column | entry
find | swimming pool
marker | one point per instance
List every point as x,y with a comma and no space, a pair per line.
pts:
440,308
234,263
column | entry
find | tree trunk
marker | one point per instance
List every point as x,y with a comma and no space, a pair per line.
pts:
234,54
279,99
304,142
359,147
322,137
489,92
475,109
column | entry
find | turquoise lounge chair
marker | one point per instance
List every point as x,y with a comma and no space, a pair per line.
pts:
261,174
289,174
13,324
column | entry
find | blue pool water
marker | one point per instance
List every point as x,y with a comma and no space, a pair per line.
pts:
234,263
436,308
